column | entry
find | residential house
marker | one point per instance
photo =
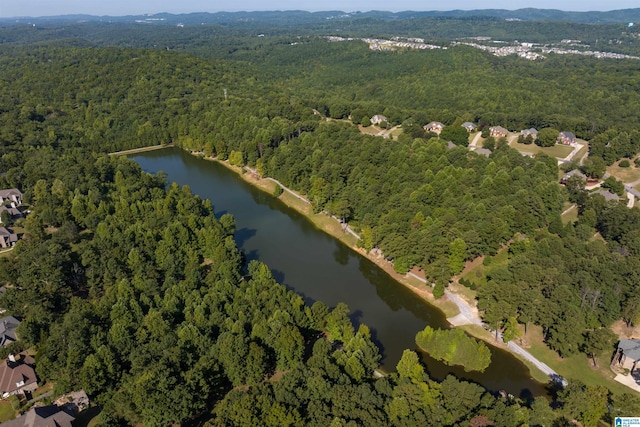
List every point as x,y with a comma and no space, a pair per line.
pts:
498,132
470,127
13,212
530,132
7,238
574,172
17,375
627,355
483,151
378,118
74,402
435,127
12,196
608,195
43,416
8,326
566,138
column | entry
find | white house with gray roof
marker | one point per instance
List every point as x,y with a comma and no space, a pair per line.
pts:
627,355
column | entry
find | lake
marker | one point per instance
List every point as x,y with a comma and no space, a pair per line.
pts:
321,268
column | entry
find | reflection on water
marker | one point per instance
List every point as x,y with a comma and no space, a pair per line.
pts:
320,268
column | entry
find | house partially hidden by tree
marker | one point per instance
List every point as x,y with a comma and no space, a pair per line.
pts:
608,195
470,127
11,196
378,118
498,132
435,127
566,138
17,375
7,238
532,132
8,326
627,355
10,211
574,172
43,416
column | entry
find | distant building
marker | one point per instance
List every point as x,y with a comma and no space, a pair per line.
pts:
483,151
530,132
470,127
498,132
7,238
435,127
378,118
13,196
566,138
608,195
575,172
8,326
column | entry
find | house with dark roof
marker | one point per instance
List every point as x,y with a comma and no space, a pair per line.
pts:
566,138
627,355
17,375
13,212
11,196
42,416
470,127
435,127
608,195
483,151
8,326
7,238
498,132
574,172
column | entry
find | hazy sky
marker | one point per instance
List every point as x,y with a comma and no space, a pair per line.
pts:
10,8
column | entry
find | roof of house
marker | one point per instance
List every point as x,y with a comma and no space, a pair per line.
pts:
8,326
12,373
530,131
608,195
10,192
469,125
499,129
42,416
483,151
12,211
451,145
4,232
434,125
379,117
572,173
631,348
567,135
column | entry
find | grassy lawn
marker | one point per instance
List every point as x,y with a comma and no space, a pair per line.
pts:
396,133
5,252
478,272
6,412
559,151
370,130
575,367
637,187
625,175
42,390
569,215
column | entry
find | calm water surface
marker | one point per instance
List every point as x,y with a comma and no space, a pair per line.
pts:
320,268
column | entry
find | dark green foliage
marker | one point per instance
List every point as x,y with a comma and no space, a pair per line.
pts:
624,163
454,347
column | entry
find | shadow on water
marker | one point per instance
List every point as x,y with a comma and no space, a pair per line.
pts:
342,254
244,234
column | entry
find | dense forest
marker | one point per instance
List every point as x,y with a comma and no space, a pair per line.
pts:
136,292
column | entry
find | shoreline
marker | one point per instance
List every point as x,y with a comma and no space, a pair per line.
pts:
449,305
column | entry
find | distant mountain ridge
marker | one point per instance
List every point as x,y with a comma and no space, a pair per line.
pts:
622,16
